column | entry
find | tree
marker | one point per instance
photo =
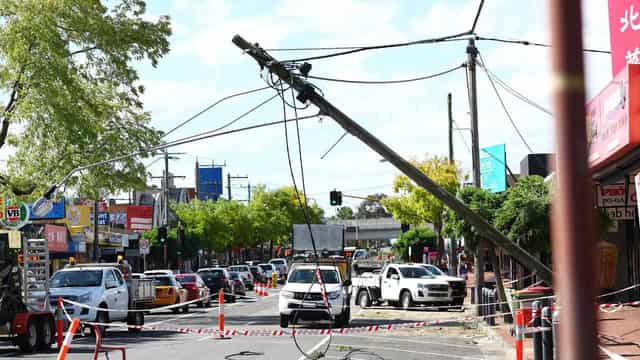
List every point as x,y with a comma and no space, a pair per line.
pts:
66,69
372,207
416,205
344,213
416,238
524,216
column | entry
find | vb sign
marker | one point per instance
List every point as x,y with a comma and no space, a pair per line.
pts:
15,214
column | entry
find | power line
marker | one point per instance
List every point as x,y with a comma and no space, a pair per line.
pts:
515,92
355,47
533,43
210,107
334,145
504,107
461,136
374,82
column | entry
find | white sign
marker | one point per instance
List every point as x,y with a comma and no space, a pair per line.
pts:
622,213
144,247
614,195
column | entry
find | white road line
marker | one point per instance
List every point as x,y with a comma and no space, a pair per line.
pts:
367,347
316,347
396,339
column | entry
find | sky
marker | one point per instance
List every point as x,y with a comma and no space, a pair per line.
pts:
204,66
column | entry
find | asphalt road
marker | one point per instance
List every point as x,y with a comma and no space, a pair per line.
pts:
261,314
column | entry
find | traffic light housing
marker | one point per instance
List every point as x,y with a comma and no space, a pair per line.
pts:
162,234
335,198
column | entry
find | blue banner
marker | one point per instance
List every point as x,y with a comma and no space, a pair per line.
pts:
493,168
57,212
208,183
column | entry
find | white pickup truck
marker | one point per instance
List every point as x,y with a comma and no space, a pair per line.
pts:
402,284
101,286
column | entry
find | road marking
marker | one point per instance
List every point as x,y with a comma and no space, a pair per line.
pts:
367,347
316,347
396,339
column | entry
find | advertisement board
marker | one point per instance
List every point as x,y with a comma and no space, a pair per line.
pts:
615,195
57,238
613,118
326,237
624,32
78,218
208,182
57,212
493,168
139,218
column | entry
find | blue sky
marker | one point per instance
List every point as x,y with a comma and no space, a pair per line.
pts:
204,66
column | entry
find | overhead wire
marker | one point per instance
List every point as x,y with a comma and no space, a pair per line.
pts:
506,111
515,92
386,82
533,43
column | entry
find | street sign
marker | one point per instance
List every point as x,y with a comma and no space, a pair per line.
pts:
144,247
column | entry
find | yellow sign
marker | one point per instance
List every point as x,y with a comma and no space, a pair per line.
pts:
78,218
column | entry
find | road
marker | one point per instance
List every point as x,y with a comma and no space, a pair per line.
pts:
262,314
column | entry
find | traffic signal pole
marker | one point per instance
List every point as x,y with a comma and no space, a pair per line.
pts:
306,92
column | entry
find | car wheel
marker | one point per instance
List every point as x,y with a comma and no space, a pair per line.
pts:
405,300
201,304
45,337
284,321
363,299
136,318
176,309
27,342
102,317
185,309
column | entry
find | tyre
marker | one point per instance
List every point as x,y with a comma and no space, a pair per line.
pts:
46,334
176,309
102,317
135,318
284,321
405,300
363,299
28,341
232,299
201,304
185,309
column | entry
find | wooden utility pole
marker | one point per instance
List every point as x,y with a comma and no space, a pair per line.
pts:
306,92
449,105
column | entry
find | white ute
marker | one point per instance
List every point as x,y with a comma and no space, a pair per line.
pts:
404,284
301,297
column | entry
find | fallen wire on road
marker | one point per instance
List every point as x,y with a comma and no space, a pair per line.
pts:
243,353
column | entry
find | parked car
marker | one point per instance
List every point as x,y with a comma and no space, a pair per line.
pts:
169,292
238,284
268,269
281,266
245,273
258,273
252,262
218,278
196,288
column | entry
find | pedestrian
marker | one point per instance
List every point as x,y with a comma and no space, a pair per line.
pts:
464,270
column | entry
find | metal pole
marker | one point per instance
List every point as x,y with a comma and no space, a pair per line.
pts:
536,313
547,336
165,189
96,237
450,129
573,242
229,184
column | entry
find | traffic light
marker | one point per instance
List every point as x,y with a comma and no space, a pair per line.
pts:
335,197
162,234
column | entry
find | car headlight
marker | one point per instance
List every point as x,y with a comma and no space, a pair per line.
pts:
84,298
287,294
333,295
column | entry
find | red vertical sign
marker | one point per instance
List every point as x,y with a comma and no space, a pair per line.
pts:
624,31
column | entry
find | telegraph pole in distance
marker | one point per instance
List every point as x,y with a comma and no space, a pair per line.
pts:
472,54
453,268
450,129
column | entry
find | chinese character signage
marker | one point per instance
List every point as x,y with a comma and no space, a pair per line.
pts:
613,118
139,218
57,238
624,31
493,168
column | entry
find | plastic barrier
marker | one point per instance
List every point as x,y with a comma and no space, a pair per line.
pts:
105,349
66,344
59,322
520,323
221,310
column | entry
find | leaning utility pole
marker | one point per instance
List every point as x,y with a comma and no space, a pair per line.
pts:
453,262
306,92
450,128
573,241
472,54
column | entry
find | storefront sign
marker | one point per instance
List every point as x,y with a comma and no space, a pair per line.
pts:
139,218
56,237
624,32
622,213
613,118
57,212
78,218
615,195
103,218
493,168
15,214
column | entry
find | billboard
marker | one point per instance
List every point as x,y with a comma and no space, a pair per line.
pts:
208,182
613,118
139,218
624,32
57,212
493,168
326,237
56,238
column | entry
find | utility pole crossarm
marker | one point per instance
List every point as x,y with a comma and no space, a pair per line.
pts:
307,92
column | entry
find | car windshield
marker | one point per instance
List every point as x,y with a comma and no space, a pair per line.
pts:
239,268
277,262
266,267
162,281
414,272
186,279
234,276
434,270
255,269
212,277
308,276
84,278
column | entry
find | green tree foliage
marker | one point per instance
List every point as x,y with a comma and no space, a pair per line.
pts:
484,203
372,207
73,96
344,213
417,206
417,238
524,216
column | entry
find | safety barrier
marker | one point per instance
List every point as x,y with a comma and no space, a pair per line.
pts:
103,348
221,310
66,344
59,316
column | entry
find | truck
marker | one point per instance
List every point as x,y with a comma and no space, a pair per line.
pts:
406,285
88,287
363,260
25,316
302,298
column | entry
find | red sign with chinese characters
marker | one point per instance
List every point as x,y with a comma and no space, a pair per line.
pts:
613,118
624,31
139,218
56,237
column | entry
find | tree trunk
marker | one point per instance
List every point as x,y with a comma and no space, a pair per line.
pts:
502,296
478,273
453,261
440,242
